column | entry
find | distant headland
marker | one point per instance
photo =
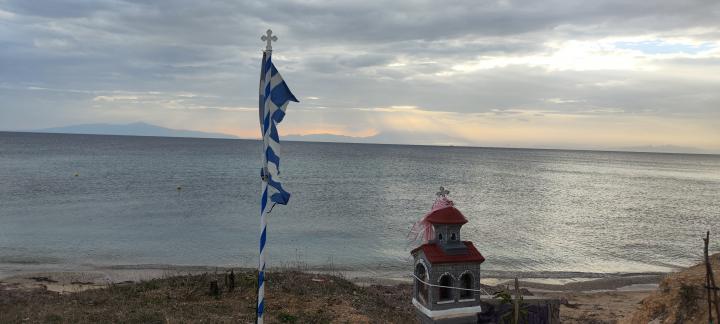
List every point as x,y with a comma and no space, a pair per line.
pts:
132,129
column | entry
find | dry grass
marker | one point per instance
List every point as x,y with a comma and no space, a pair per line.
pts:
681,297
292,297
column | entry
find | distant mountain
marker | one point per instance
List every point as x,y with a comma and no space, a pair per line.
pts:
134,129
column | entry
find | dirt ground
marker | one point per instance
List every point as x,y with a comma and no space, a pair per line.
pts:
293,297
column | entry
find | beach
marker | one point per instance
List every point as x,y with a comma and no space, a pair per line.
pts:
299,295
604,300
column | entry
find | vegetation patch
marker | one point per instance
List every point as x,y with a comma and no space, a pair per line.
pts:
291,297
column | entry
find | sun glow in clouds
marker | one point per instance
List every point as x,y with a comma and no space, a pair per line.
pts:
572,55
604,54
519,128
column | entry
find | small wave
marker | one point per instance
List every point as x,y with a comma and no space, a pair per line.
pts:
28,260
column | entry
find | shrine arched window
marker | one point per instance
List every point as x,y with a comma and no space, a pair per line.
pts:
466,282
445,291
420,287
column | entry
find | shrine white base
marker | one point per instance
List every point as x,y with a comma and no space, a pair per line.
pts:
447,313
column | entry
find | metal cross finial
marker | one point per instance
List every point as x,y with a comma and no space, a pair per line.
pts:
268,37
442,192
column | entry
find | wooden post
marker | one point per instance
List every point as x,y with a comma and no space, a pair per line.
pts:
715,292
712,289
231,285
516,319
214,289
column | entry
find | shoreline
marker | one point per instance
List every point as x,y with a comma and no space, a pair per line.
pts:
41,296
93,277
583,300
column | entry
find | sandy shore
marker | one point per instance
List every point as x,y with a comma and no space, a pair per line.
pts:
601,300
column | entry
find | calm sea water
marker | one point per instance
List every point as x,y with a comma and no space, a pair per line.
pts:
74,201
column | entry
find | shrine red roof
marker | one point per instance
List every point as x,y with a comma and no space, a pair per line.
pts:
435,254
447,215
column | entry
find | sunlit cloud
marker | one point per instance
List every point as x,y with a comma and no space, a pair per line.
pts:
518,127
562,100
115,98
392,109
571,55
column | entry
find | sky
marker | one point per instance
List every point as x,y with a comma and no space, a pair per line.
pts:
546,74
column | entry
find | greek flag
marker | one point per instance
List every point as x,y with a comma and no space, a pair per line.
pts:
274,98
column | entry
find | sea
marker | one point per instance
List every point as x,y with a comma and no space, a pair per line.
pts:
73,202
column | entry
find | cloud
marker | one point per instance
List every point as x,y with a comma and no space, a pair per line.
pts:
188,64
590,129
115,98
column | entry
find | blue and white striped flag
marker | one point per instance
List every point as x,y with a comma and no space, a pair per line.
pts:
274,97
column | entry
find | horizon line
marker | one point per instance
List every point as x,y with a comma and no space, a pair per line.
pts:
232,137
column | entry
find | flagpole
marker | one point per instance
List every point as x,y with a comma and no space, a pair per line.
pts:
261,257
274,97
260,307
264,176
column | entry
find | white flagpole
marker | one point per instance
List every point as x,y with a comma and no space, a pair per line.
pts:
265,207
261,258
